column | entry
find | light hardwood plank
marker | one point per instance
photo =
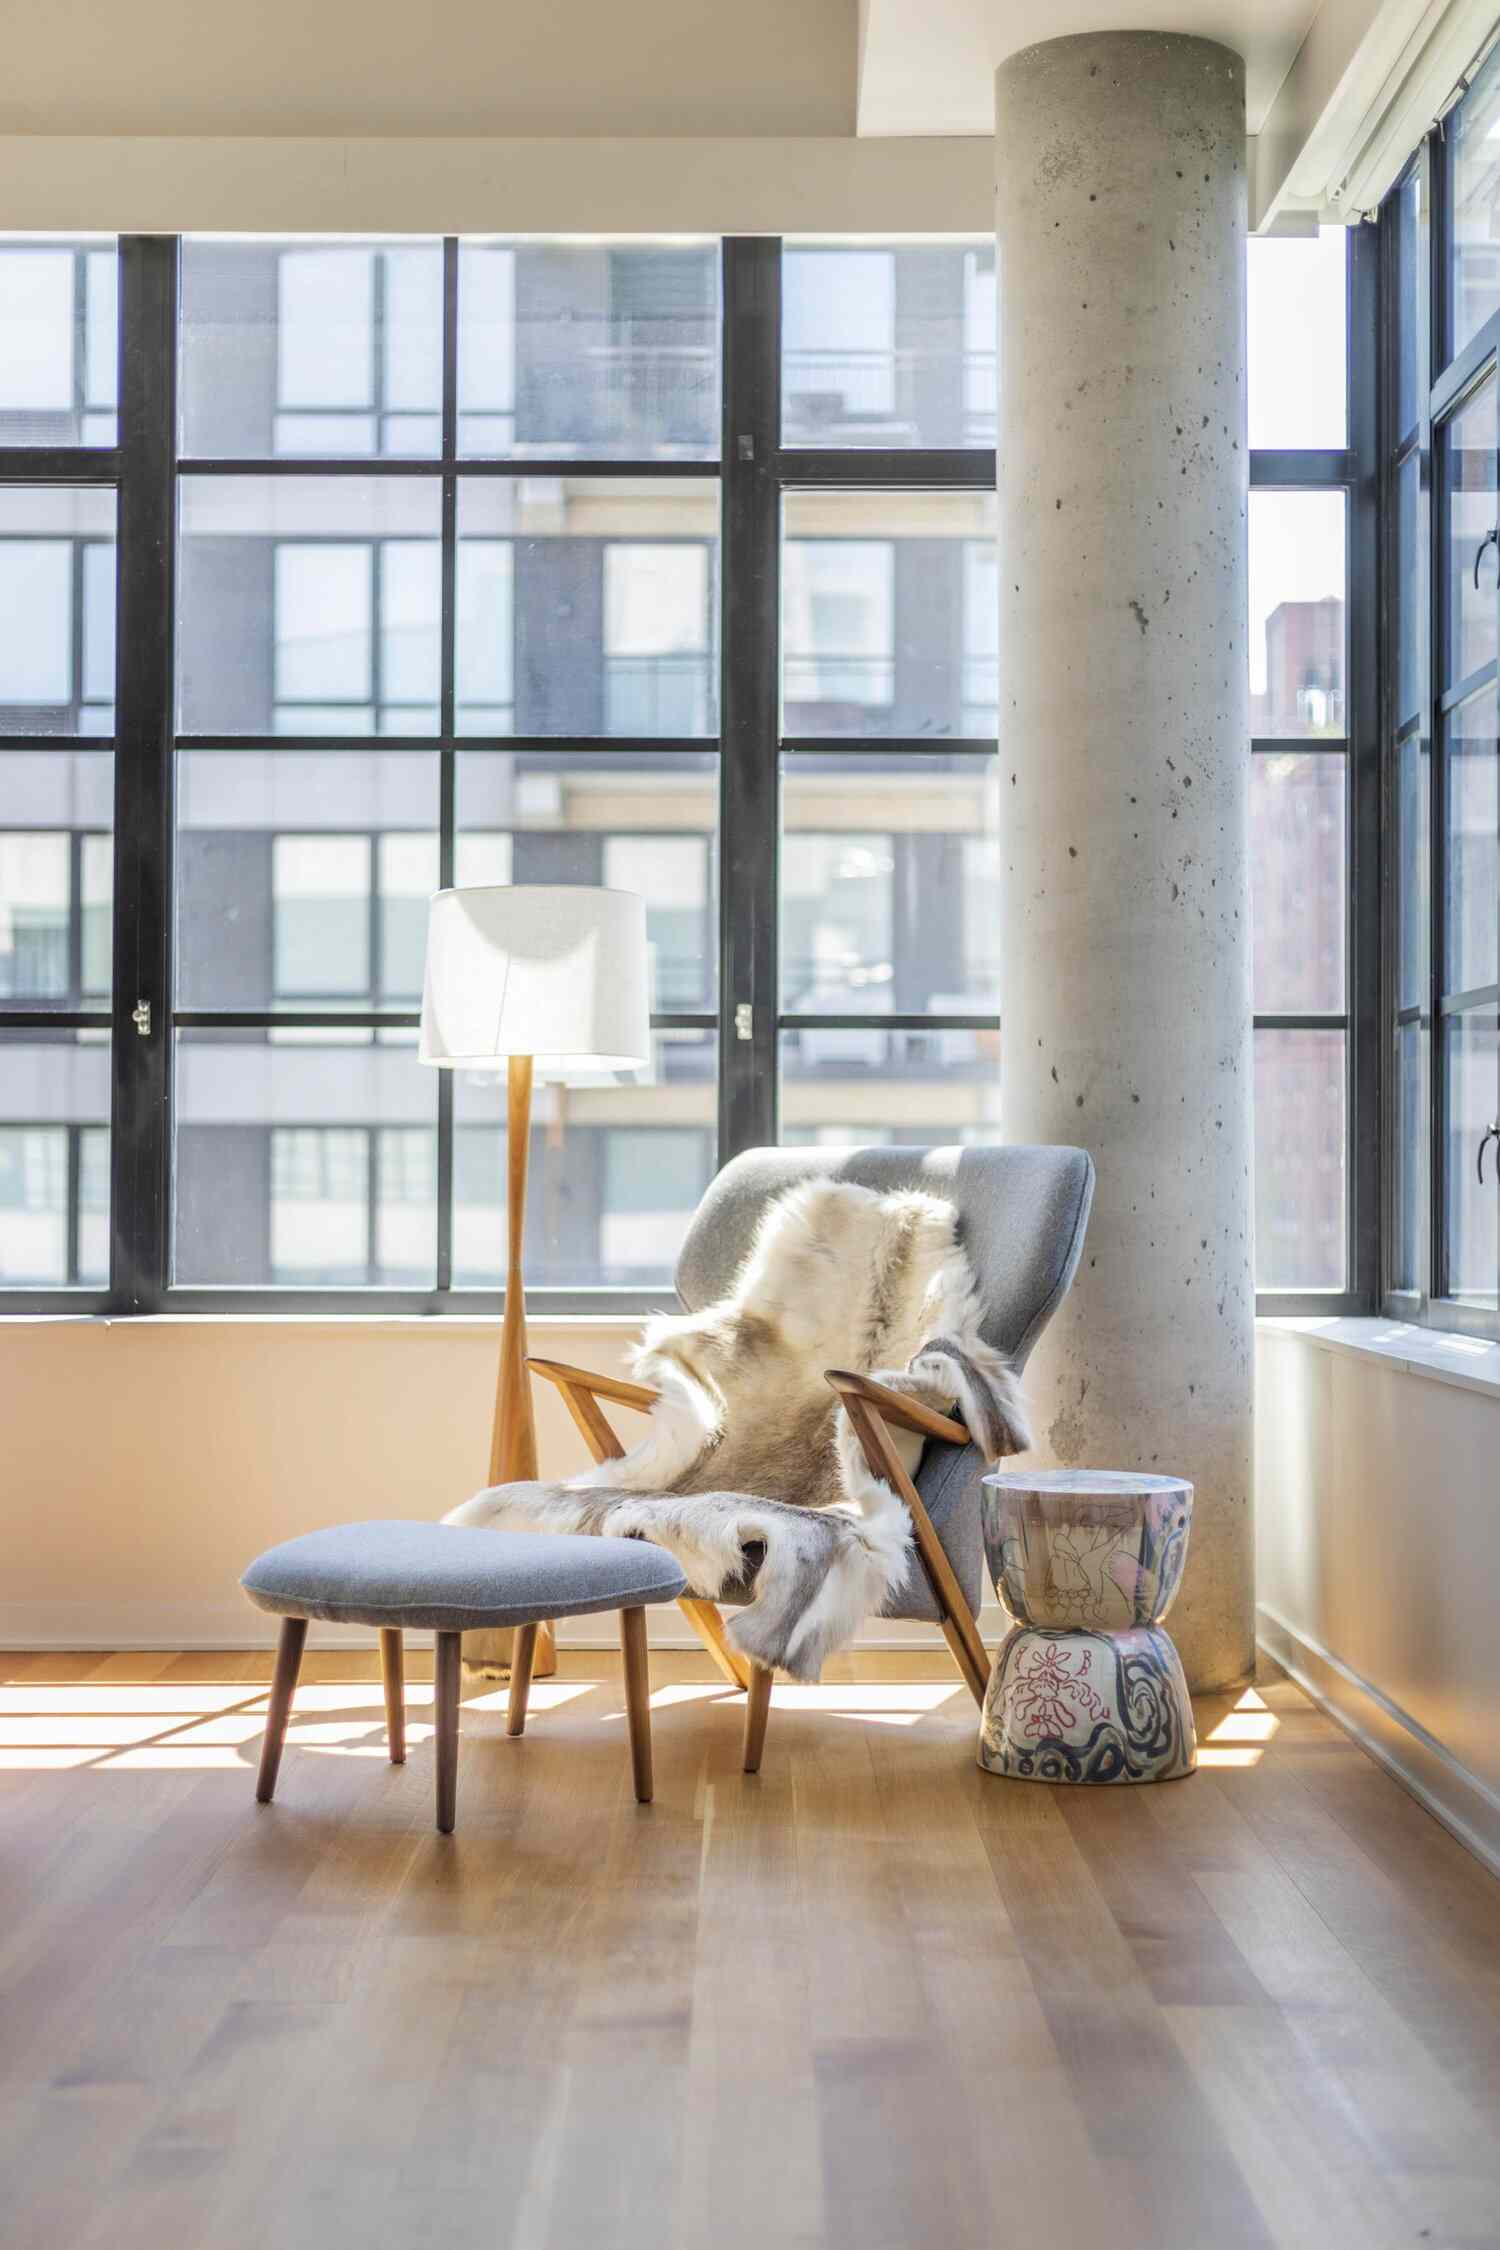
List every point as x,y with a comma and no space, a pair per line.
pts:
869,1999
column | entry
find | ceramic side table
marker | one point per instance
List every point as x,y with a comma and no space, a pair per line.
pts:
1087,1685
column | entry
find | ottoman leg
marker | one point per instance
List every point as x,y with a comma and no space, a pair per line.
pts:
393,1676
448,1672
637,1698
757,1711
288,1664
522,1657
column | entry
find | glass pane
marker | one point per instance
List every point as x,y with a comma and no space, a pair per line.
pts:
1469,480
888,344
617,1166
890,884
587,608
54,1159
276,851
1471,1098
1408,590
1300,1198
889,614
60,321
1408,224
57,609
868,1087
1472,890
1298,325
311,347
304,1161
309,605
1409,1156
1472,130
1297,828
1413,785
1297,583
637,824
578,349
56,878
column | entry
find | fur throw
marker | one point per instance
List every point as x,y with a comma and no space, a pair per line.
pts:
749,1474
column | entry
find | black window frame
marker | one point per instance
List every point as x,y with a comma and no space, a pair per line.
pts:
756,471
1446,381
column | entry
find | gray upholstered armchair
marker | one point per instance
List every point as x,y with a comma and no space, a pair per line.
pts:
1022,1214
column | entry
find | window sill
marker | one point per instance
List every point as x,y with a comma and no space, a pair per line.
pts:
1467,1362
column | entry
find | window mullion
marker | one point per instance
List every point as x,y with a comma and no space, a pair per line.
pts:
141,1056
447,699
1366,1063
749,697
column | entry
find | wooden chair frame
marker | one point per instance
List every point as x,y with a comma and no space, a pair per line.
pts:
873,1412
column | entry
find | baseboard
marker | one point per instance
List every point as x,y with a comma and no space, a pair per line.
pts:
39,1627
1465,1805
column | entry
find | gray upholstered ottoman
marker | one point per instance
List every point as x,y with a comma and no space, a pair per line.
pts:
449,1580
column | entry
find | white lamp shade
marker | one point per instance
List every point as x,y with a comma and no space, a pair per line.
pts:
550,970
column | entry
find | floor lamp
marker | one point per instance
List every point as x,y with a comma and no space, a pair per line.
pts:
552,976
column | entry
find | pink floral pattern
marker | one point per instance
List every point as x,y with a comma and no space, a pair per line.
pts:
1051,1695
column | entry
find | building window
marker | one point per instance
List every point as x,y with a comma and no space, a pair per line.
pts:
1300,726
455,559
1440,441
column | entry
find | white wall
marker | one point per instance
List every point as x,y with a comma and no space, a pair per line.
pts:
1378,1528
145,1463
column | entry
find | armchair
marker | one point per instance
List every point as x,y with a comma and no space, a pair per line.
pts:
1022,1215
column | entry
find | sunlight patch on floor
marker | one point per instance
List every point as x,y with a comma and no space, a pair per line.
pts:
1241,1736
215,1727
545,1695
33,1702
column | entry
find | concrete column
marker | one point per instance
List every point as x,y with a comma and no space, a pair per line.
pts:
1121,216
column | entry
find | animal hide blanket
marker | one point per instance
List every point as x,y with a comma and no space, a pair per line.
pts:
749,1473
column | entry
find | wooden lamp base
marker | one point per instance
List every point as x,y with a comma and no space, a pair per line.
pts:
488,1655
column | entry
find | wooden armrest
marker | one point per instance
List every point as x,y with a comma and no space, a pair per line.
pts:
599,1386
895,1406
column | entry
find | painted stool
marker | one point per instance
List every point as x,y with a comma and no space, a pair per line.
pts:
1087,1685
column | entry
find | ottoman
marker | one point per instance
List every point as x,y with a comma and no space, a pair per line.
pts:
450,1580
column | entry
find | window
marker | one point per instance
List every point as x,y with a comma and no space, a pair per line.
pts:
314,349
1440,443
888,346
59,369
588,350
1302,723
462,591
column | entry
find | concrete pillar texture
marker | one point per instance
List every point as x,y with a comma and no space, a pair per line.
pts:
1120,220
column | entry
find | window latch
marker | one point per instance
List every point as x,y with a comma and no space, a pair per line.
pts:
1492,1133
140,1016
744,1021
1490,539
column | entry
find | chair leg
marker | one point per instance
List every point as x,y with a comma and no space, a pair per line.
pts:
706,1622
283,1686
637,1698
393,1678
757,1711
447,1675
522,1657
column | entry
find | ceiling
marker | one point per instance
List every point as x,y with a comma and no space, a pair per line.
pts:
927,66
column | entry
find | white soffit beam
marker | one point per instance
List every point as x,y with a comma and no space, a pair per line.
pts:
144,184
1336,96
927,66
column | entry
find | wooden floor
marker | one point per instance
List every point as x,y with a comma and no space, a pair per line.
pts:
870,1998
